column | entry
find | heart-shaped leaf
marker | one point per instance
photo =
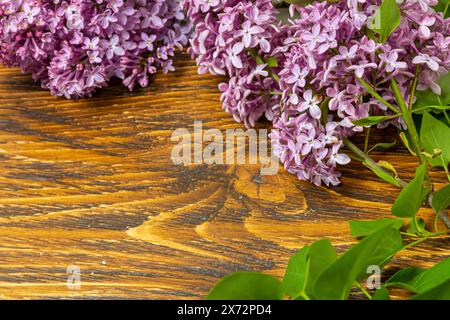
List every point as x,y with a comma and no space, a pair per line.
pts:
386,19
403,278
296,275
420,281
247,286
441,199
305,266
441,292
411,197
362,228
435,136
377,248
322,255
432,277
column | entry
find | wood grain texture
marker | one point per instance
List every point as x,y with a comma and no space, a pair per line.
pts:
91,183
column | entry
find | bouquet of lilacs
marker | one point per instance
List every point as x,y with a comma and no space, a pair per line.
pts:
335,69
74,47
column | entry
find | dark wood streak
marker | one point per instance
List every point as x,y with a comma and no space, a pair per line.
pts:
91,183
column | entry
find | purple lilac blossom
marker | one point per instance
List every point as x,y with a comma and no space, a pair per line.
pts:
323,54
227,31
74,47
327,52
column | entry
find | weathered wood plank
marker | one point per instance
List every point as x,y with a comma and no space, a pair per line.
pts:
91,183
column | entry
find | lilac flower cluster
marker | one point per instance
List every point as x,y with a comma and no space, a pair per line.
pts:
229,34
74,47
324,56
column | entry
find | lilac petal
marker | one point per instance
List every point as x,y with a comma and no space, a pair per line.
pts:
315,111
237,48
435,88
433,65
359,72
119,51
419,59
342,159
156,22
425,31
236,61
247,40
265,45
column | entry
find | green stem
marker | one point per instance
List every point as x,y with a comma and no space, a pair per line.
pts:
274,75
412,244
366,140
417,226
441,214
436,219
447,173
363,290
413,88
416,110
362,155
446,116
431,235
408,121
408,234
304,295
377,96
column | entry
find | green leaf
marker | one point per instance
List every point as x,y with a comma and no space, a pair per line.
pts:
300,2
435,135
272,62
411,197
443,6
381,294
322,255
362,228
429,98
432,277
386,19
383,146
296,275
403,278
406,142
420,281
254,55
305,266
247,286
438,108
412,228
381,174
441,199
369,121
441,292
388,166
336,281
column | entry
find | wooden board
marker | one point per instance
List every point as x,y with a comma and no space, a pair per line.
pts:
91,183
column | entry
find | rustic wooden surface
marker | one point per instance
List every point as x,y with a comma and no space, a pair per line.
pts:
91,183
